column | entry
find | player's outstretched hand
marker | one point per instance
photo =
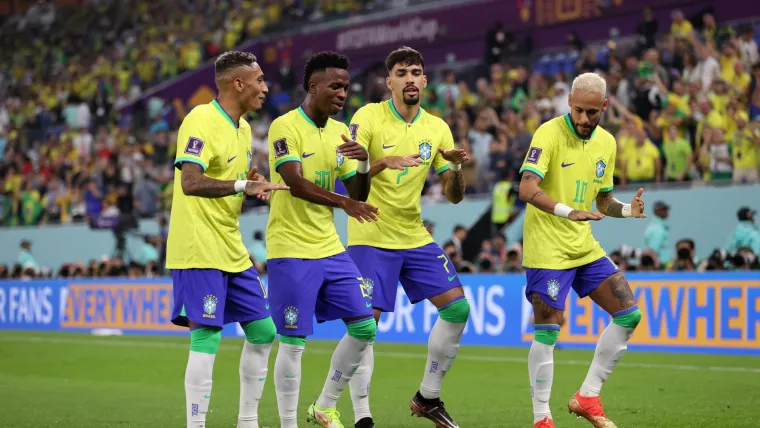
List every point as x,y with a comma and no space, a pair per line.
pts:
256,188
402,162
352,150
637,205
455,156
576,215
253,175
359,210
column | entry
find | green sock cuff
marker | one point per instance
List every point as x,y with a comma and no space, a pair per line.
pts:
629,320
261,331
205,339
293,340
546,334
456,312
364,330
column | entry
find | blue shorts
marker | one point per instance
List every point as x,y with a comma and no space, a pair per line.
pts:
553,285
213,298
424,272
328,289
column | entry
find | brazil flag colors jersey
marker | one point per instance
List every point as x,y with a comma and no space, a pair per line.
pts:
397,193
204,233
298,228
574,172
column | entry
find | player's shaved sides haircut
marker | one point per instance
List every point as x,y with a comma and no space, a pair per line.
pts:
231,60
321,61
405,56
590,82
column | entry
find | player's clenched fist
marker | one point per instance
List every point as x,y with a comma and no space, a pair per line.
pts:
576,215
359,210
402,162
352,150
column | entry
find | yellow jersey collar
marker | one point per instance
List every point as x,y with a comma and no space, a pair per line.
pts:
569,124
398,116
221,111
308,119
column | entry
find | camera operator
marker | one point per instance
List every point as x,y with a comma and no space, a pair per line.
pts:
685,260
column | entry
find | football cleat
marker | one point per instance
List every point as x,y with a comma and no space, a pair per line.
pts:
365,423
590,408
544,423
433,410
328,418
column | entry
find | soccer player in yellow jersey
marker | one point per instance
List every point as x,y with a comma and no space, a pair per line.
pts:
570,164
404,143
310,273
214,280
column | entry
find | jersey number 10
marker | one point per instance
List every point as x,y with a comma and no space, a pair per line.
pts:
580,191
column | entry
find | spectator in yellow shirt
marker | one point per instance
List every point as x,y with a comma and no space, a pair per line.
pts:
745,150
678,155
680,27
642,161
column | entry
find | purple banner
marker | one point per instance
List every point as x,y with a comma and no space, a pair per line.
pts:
452,33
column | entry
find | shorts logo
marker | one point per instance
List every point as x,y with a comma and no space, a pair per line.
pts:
552,288
291,317
209,306
194,146
600,166
353,129
280,148
367,286
534,154
426,150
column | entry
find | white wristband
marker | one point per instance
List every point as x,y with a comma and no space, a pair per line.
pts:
627,210
362,167
240,185
562,210
455,166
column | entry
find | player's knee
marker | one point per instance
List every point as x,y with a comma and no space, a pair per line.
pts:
364,330
205,340
457,312
546,334
261,331
631,319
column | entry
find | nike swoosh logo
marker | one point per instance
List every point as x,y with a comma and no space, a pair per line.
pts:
231,159
388,147
564,165
263,378
541,380
451,357
267,306
451,278
368,304
306,155
206,396
289,377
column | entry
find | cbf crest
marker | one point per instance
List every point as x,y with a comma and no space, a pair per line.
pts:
249,155
291,317
600,167
340,159
552,288
367,286
426,150
209,306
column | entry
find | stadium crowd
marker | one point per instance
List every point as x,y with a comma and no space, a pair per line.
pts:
684,101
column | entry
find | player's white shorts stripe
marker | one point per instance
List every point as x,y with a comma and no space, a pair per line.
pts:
328,348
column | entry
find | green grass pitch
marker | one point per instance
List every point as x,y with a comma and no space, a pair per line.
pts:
77,380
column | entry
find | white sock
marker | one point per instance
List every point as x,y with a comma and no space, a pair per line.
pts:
360,385
200,367
253,375
610,348
541,372
287,382
345,361
443,346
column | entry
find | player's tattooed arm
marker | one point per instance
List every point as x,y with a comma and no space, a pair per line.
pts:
608,205
530,192
195,183
453,185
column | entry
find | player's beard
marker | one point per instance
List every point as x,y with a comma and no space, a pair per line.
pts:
411,99
584,133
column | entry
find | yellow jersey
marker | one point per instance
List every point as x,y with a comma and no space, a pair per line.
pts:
574,172
204,233
641,161
298,228
395,193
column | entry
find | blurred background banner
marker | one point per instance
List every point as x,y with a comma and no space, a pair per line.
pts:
700,313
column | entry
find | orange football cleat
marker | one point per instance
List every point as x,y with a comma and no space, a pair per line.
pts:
544,423
590,408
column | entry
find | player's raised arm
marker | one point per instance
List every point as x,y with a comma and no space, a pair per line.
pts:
355,172
448,164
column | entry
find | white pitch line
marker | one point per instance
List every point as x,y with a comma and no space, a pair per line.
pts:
411,355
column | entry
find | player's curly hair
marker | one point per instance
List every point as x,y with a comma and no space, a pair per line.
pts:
231,60
404,56
321,61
